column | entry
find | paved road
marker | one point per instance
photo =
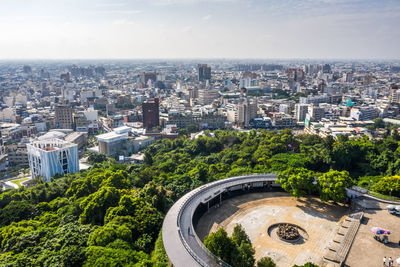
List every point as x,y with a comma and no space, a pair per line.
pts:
181,243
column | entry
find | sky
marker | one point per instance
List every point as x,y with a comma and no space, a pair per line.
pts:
266,29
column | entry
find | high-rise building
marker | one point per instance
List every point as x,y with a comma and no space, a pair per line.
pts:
64,119
322,86
193,93
312,68
348,77
316,113
52,156
151,113
296,74
66,77
204,72
394,96
146,76
301,112
27,69
326,68
245,82
207,96
92,117
246,112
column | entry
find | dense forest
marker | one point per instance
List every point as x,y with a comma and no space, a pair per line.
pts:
111,214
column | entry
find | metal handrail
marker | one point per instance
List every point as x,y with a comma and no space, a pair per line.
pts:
189,198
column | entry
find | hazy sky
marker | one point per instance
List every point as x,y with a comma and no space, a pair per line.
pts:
62,29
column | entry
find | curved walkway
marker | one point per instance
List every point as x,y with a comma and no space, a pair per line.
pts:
181,242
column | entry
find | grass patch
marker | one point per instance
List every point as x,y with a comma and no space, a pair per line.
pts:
19,181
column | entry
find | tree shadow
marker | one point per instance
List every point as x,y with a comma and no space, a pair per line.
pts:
369,204
323,210
219,213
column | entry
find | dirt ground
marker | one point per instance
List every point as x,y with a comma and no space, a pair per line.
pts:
368,252
256,212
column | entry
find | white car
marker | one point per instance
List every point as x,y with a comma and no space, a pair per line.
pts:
394,209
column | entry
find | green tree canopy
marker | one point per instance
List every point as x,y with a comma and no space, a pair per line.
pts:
298,182
266,262
333,185
236,250
221,245
388,186
96,157
308,264
95,205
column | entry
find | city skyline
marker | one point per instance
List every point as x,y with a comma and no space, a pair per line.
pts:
188,29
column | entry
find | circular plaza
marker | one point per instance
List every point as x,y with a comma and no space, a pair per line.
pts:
261,213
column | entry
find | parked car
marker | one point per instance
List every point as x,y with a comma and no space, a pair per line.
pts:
394,209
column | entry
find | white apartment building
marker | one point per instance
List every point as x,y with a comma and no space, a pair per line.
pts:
301,111
52,156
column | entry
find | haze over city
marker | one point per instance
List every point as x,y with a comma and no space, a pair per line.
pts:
46,29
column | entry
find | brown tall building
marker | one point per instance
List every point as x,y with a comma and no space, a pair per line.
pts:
146,76
151,113
64,116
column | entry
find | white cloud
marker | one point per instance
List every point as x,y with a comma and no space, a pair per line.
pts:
122,22
121,12
337,1
188,2
129,12
110,4
187,29
206,18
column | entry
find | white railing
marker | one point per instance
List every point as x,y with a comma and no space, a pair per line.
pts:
192,195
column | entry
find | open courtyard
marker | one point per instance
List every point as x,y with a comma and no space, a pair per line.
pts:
257,212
